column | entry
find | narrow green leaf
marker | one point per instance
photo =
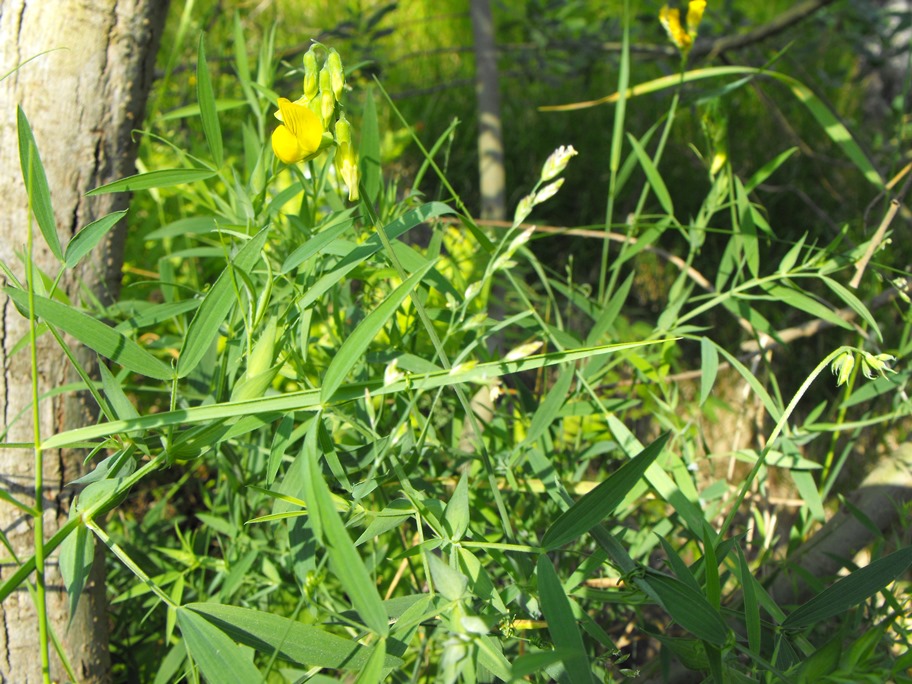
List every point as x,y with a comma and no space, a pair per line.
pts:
768,169
711,568
562,625
36,184
162,178
369,151
853,302
751,605
86,239
834,128
204,328
809,493
280,444
850,591
77,553
791,257
547,410
333,229
799,300
389,518
352,349
372,673
310,400
456,513
206,98
652,175
688,608
94,334
610,313
595,506
535,662
218,657
709,367
344,559
113,392
371,246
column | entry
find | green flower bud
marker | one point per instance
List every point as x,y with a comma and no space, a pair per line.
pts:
842,367
310,74
557,162
336,73
876,365
327,99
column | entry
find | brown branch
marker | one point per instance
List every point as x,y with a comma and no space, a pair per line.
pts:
779,24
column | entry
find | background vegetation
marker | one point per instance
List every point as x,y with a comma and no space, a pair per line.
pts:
599,450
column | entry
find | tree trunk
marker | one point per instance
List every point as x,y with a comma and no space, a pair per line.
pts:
490,137
82,99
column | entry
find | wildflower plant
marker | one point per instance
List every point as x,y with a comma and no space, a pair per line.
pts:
344,476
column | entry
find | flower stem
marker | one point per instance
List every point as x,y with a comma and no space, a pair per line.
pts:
40,597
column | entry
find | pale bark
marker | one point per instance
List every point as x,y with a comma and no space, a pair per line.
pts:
490,137
82,99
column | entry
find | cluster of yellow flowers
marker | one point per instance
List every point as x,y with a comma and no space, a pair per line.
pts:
308,126
683,37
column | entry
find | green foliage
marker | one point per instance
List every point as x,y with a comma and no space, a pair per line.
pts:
381,441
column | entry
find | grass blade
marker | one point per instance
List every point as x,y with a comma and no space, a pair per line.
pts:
292,640
561,624
208,112
850,591
163,178
310,400
595,506
344,559
689,608
88,238
218,657
36,184
94,334
352,350
204,327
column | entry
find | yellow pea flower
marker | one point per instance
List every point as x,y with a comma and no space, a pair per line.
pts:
682,37
299,137
671,20
695,9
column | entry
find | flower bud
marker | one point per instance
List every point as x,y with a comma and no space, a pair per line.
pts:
876,365
547,192
842,367
557,162
523,209
346,158
336,73
310,74
327,101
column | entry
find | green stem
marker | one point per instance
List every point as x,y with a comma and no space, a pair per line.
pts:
617,143
780,425
487,463
126,560
40,597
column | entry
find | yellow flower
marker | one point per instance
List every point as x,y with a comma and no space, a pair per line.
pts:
682,37
299,137
671,20
695,9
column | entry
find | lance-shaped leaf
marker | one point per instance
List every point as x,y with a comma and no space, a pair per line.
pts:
598,504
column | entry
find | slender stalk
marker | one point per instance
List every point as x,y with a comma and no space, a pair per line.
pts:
40,597
127,561
617,144
780,425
